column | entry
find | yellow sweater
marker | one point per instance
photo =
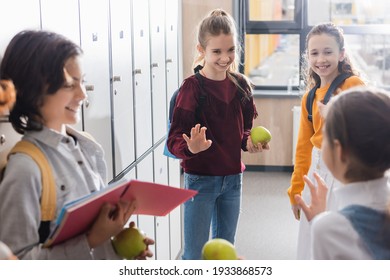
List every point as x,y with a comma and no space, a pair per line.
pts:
309,135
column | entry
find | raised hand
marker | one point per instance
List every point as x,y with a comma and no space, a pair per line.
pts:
318,197
197,141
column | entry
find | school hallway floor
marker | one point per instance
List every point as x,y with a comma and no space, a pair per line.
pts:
267,229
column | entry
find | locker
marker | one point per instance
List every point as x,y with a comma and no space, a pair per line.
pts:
122,81
172,83
62,17
157,43
16,16
95,43
131,175
144,171
162,223
141,72
175,217
171,48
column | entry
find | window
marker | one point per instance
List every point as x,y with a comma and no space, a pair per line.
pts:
259,10
272,60
275,32
272,43
371,56
349,12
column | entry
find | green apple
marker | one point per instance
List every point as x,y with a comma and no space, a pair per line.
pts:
260,134
129,243
219,249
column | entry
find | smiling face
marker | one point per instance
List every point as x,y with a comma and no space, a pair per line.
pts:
324,56
63,107
219,54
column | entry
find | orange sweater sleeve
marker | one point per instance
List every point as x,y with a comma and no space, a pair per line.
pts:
302,153
309,135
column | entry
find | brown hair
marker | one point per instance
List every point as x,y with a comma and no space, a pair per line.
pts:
216,23
345,66
34,61
359,119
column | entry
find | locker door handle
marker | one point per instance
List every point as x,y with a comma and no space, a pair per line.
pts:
116,78
169,60
89,87
154,65
137,71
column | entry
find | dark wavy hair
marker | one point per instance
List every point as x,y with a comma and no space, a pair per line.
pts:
345,66
34,61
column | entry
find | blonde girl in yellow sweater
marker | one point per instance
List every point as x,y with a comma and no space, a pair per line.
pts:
325,59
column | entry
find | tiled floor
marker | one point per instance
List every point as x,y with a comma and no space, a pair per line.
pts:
267,229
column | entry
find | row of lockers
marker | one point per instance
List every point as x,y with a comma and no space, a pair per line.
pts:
131,61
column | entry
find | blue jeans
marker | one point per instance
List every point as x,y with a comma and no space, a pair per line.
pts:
218,203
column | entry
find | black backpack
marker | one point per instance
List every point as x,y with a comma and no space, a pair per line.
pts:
333,86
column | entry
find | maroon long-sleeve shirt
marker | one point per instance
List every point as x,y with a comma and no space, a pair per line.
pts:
228,120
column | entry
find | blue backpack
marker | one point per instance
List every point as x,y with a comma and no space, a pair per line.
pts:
172,105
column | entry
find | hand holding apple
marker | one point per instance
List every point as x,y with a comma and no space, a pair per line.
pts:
219,249
260,134
130,242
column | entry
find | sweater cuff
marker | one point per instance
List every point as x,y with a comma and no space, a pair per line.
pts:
291,195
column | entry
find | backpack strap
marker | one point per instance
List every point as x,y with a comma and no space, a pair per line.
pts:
202,98
172,103
334,85
48,196
332,88
310,101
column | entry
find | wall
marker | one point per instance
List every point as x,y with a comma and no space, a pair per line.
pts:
192,13
276,114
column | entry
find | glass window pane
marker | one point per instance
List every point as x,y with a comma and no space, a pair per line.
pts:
349,12
371,56
272,60
269,10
